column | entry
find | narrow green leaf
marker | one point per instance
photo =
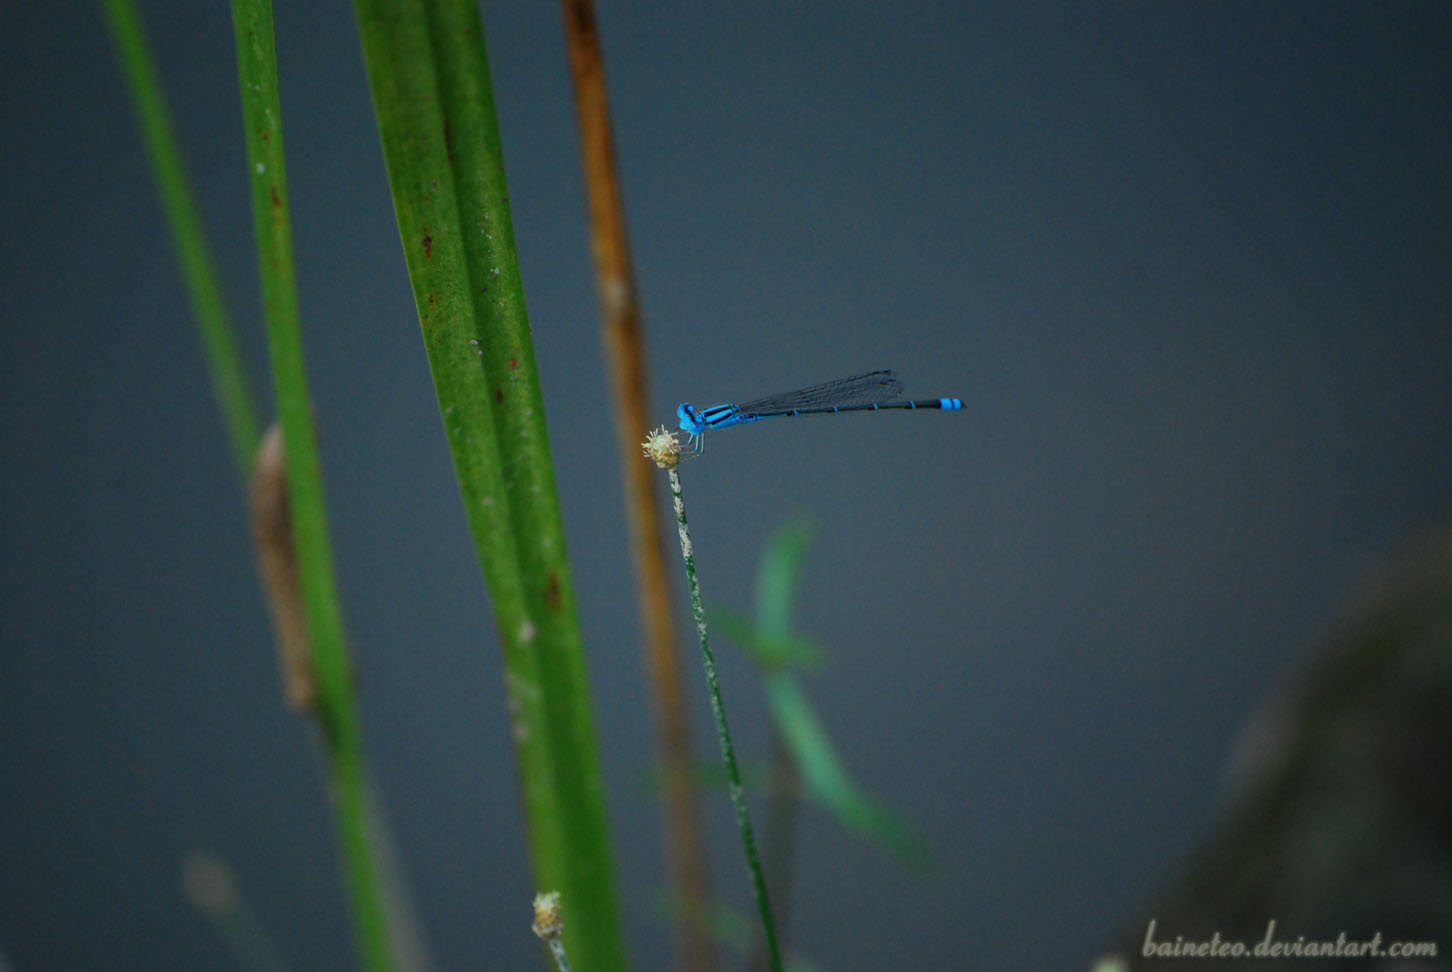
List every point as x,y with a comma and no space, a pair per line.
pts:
267,176
538,527
429,77
219,340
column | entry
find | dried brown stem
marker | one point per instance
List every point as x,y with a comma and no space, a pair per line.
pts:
272,536
621,330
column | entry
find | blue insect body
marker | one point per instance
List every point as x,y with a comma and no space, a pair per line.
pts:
870,391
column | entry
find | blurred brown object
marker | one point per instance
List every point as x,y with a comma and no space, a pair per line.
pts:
277,566
1338,809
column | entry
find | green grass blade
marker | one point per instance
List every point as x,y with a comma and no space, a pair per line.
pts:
508,360
219,342
429,78
267,176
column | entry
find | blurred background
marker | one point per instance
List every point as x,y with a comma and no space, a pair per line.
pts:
1186,264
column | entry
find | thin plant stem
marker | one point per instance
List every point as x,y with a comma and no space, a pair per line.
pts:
723,732
562,961
621,332
334,704
549,926
782,816
209,308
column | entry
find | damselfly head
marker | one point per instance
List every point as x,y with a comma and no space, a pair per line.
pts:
689,422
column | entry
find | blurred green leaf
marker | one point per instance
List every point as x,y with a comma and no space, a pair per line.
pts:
776,578
770,642
771,653
826,777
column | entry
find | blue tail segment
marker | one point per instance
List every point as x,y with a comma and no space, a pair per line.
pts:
868,392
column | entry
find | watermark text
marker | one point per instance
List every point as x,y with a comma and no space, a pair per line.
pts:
1271,946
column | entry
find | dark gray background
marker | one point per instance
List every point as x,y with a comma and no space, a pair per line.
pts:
1186,264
